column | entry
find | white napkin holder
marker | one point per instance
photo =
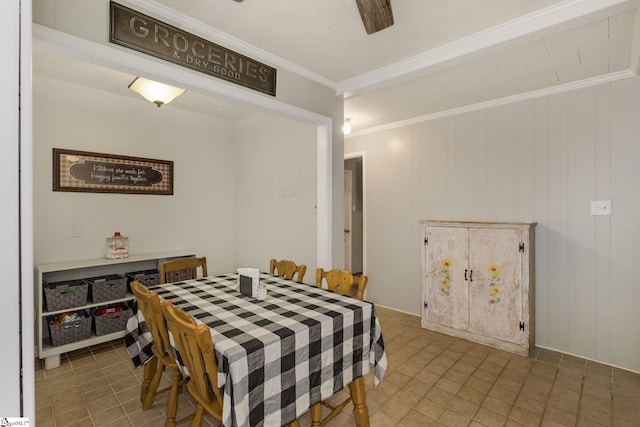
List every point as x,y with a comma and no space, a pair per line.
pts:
248,280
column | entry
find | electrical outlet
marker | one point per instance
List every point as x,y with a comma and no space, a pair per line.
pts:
601,207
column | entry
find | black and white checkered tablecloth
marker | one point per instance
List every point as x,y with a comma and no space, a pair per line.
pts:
277,357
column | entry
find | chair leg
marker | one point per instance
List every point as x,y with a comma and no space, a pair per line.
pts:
172,403
153,387
149,371
295,423
197,419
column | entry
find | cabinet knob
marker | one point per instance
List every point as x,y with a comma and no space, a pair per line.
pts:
465,274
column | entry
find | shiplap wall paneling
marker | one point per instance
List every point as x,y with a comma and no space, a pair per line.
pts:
625,196
541,214
581,254
436,162
602,234
524,161
461,198
481,191
501,168
557,295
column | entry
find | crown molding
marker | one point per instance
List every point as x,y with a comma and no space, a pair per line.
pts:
567,87
214,35
554,18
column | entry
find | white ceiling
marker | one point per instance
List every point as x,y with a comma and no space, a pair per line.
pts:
440,55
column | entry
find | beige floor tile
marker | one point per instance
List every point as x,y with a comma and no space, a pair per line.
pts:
395,409
430,408
407,397
567,418
524,417
496,405
416,419
463,407
489,418
71,417
471,395
432,380
453,419
45,418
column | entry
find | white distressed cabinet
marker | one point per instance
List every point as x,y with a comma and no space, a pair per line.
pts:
478,282
80,270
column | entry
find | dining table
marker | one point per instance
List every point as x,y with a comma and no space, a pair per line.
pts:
279,356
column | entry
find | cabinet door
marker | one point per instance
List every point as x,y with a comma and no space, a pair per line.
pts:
445,287
495,292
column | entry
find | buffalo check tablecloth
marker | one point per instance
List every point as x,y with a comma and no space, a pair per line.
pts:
279,356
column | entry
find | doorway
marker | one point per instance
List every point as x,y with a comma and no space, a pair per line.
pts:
354,221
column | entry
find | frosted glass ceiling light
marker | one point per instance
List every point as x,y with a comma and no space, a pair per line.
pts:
156,92
346,127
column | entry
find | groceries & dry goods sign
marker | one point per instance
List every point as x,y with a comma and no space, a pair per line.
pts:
145,34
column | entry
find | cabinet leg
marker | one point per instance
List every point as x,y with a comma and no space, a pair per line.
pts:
51,362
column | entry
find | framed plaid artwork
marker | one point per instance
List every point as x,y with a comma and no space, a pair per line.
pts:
82,171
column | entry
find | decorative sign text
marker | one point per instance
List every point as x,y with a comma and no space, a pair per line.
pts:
145,34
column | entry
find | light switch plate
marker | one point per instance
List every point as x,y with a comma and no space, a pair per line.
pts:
76,230
601,207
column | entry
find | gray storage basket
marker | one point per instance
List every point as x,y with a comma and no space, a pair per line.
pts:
110,322
107,288
145,277
66,333
64,295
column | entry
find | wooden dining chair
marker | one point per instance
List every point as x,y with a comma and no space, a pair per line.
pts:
287,269
195,347
149,305
182,269
342,282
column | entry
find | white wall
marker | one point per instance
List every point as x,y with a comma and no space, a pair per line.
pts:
276,186
200,214
9,215
540,160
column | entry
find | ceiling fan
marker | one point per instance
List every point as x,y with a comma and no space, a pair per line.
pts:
376,14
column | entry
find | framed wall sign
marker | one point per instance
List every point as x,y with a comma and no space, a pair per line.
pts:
82,171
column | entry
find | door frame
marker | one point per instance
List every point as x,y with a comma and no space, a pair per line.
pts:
362,155
348,219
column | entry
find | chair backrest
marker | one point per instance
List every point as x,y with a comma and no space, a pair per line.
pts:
195,348
182,269
342,282
287,269
149,304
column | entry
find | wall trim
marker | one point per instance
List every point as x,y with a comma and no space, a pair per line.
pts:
567,87
548,20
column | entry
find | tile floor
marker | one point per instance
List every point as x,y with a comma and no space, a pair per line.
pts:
433,379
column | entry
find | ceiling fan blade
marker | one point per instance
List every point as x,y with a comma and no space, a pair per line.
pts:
376,14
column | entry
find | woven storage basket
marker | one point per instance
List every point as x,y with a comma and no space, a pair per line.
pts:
145,277
107,288
64,295
110,322
66,333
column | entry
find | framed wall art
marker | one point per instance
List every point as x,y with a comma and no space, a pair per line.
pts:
82,171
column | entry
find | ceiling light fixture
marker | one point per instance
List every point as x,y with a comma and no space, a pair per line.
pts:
156,92
346,127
